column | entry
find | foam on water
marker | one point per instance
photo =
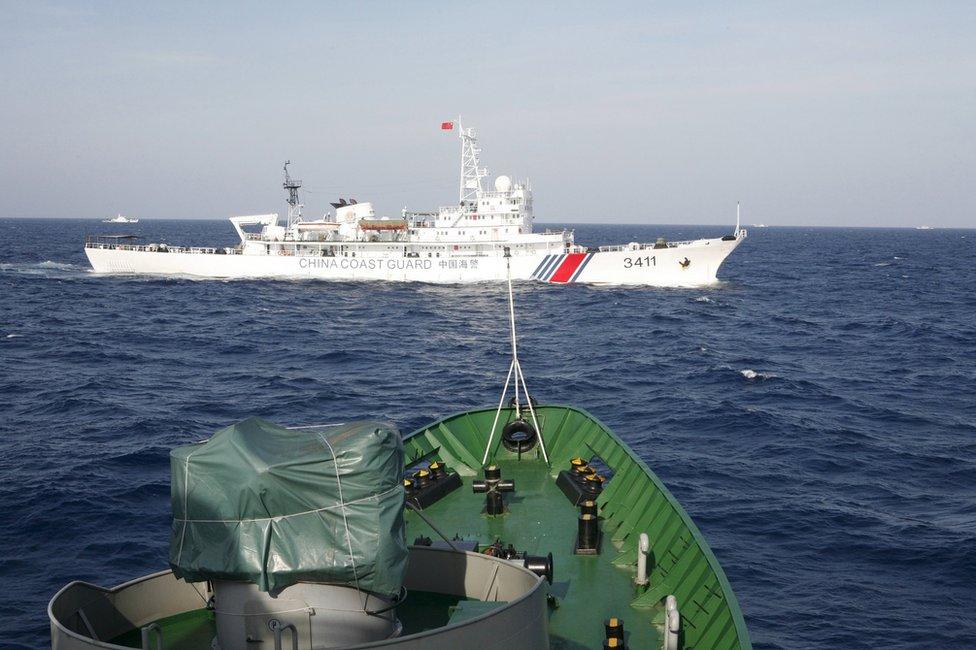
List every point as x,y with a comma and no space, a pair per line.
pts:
813,415
47,268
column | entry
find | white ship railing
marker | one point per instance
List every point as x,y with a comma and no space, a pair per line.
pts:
163,248
644,246
303,249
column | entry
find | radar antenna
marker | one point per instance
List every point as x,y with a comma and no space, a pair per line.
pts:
515,377
294,204
471,174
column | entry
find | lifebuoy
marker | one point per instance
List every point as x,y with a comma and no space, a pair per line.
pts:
519,436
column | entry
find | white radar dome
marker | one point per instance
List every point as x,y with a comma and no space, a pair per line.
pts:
503,184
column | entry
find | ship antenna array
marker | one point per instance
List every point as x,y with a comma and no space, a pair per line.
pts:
294,203
515,376
471,173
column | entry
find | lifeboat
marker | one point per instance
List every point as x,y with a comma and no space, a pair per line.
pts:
383,224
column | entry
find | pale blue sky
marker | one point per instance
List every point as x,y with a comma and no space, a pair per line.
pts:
811,114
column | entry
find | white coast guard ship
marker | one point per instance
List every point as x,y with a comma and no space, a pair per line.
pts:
465,242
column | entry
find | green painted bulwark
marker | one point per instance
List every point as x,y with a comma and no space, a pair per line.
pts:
635,501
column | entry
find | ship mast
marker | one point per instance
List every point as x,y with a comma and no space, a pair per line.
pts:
294,204
515,377
471,174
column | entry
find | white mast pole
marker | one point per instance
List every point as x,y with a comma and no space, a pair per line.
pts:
294,203
736,218
461,182
511,317
516,370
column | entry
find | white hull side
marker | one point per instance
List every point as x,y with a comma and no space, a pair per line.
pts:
656,267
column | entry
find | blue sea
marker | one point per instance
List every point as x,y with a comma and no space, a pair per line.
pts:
815,413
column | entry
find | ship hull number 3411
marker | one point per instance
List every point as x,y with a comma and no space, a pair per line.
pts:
640,262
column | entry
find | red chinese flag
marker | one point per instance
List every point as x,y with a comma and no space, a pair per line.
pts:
447,126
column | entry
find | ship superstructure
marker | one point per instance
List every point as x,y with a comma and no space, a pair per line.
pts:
463,242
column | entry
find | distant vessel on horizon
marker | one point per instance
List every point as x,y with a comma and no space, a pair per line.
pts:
120,219
923,228
465,242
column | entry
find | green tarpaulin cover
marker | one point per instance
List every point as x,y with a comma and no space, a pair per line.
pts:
276,506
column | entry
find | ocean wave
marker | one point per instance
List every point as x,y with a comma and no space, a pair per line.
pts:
751,374
48,268
63,266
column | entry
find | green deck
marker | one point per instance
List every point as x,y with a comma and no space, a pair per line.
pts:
541,519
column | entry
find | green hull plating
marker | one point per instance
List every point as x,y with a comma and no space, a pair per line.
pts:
540,519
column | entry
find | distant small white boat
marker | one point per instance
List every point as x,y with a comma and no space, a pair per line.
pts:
120,219
758,225
923,227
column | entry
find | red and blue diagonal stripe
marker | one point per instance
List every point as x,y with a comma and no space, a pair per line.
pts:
561,269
